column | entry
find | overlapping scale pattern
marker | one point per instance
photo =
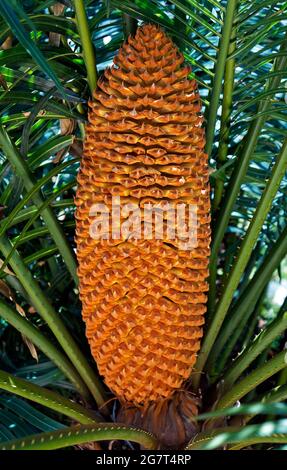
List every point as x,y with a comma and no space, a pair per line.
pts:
144,299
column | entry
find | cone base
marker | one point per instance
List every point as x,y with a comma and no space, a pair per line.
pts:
169,419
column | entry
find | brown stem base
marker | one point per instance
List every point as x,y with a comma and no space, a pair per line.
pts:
169,419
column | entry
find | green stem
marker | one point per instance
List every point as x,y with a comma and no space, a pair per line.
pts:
245,251
263,340
256,256
244,307
225,117
48,216
45,397
28,212
219,72
275,395
79,435
87,45
277,439
253,321
216,366
282,380
241,167
17,286
34,218
254,379
206,436
233,434
36,233
52,262
45,345
47,312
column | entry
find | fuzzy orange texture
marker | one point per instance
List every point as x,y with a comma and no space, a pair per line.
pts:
144,300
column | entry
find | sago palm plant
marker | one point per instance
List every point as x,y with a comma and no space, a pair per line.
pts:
193,111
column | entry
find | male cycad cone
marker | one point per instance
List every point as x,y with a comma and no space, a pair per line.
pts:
144,299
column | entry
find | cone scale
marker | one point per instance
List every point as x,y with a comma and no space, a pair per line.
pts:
143,300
